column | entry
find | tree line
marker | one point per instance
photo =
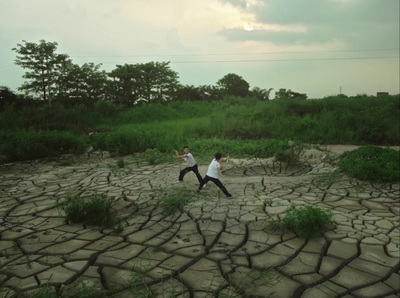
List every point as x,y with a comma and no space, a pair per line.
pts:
53,77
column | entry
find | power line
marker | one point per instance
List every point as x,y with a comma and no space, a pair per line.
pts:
275,60
229,54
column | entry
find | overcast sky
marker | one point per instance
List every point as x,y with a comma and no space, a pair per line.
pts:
318,47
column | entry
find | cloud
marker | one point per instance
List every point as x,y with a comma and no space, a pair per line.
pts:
205,40
357,23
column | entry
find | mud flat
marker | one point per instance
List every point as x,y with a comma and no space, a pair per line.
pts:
216,247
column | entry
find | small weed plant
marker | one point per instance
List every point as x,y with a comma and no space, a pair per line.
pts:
93,211
175,200
371,163
307,221
121,163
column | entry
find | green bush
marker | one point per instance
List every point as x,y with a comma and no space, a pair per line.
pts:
93,211
371,163
307,221
30,144
106,108
242,126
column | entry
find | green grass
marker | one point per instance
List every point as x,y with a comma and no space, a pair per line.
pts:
31,144
121,163
371,163
95,210
307,221
175,200
240,126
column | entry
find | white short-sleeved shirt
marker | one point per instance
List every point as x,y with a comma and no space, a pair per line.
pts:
190,161
213,169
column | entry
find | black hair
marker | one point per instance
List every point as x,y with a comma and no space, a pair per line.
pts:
186,147
218,155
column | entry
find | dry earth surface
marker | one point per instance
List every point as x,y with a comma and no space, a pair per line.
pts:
216,247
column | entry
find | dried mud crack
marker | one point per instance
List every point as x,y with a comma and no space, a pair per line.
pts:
214,247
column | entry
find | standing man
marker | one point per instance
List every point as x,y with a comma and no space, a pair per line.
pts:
191,164
212,174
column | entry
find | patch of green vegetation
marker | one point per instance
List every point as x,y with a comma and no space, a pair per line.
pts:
175,200
93,211
152,156
307,221
289,153
240,126
29,144
371,163
121,163
138,284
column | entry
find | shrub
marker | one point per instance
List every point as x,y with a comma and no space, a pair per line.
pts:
307,221
25,145
152,156
95,211
106,108
371,163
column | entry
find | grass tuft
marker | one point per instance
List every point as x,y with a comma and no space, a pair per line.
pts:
95,211
175,200
307,221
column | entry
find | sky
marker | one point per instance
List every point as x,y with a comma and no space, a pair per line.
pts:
317,47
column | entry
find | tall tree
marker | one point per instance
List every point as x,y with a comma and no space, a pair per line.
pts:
81,84
262,94
153,81
160,82
42,61
234,84
289,94
126,86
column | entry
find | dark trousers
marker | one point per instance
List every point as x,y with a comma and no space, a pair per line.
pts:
216,182
186,170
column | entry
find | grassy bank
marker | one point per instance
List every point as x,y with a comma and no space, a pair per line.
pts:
240,126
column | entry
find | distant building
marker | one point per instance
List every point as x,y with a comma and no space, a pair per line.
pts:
382,94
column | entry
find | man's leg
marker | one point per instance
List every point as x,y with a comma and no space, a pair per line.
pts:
221,187
196,171
183,173
204,181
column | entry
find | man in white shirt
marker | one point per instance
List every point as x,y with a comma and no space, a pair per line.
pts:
191,164
212,174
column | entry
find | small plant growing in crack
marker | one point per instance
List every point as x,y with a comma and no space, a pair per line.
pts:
138,285
307,221
175,199
93,211
121,163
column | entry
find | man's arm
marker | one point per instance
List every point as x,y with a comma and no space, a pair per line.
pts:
222,162
181,157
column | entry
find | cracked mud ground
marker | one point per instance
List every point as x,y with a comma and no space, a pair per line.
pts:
216,247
